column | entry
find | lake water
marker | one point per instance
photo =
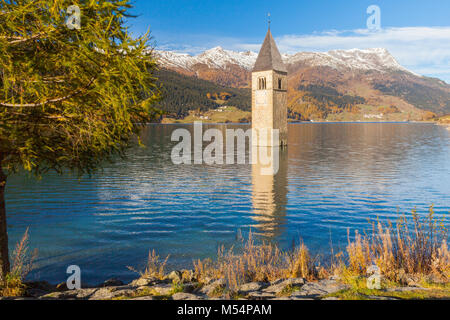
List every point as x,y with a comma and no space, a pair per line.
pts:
332,178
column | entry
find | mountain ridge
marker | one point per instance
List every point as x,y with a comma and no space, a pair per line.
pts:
378,59
337,85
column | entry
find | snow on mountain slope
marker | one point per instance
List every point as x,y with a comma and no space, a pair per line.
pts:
217,58
377,59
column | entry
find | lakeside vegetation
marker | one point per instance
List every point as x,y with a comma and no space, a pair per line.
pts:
413,249
22,260
410,252
65,118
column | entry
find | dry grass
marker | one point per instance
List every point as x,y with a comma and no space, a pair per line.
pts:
154,268
265,262
21,265
412,246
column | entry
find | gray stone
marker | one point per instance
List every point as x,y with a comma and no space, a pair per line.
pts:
112,283
185,296
103,294
412,282
280,285
282,298
301,298
144,298
259,295
123,293
87,293
190,287
212,287
175,276
70,294
292,298
122,288
162,289
320,288
252,286
144,281
52,296
381,298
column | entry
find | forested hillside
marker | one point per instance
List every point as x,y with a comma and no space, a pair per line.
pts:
183,93
426,94
318,101
340,85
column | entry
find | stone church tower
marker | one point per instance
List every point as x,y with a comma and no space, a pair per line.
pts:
269,95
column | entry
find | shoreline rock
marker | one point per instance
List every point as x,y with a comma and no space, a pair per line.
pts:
175,287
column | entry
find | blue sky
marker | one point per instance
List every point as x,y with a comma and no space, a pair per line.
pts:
416,32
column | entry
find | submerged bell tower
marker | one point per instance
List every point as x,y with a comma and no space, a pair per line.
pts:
269,96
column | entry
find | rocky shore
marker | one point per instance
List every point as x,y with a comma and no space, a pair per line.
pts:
176,287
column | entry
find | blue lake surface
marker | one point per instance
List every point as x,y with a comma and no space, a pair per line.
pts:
333,177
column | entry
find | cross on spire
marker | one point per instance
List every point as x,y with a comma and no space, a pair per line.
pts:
268,19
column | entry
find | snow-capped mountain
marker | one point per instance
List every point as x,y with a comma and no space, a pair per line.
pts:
377,59
372,75
214,58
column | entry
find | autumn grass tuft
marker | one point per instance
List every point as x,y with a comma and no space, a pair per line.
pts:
413,246
21,265
155,266
413,249
263,262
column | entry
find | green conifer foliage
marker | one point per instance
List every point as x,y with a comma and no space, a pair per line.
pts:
69,97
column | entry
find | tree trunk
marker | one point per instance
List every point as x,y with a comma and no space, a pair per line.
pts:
4,257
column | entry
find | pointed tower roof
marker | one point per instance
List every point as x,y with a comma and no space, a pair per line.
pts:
269,57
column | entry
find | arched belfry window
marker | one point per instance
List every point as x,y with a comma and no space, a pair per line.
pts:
262,83
280,84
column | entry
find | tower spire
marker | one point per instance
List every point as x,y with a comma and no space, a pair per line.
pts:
269,58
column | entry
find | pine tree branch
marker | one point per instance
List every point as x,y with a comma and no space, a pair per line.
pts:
54,100
17,40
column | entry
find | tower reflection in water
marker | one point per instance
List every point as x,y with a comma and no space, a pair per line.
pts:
269,191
